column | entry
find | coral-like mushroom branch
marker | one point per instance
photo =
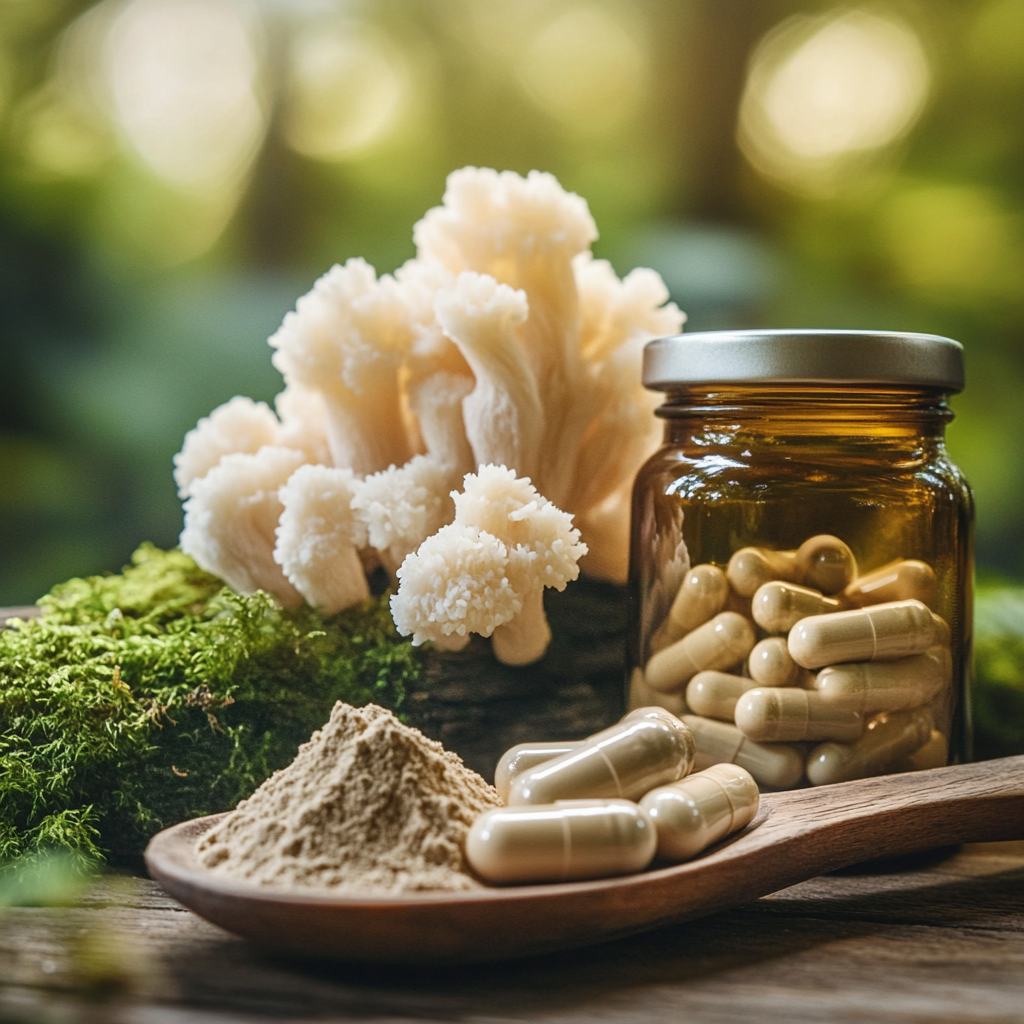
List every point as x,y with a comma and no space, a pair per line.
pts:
454,585
231,517
319,536
346,340
544,549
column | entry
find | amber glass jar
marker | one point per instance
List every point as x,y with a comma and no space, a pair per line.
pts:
802,553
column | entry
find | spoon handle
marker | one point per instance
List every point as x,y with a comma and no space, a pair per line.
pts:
891,815
808,832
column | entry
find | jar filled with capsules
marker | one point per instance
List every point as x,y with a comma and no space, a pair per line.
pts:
801,570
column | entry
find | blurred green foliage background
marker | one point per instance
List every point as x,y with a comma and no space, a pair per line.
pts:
174,173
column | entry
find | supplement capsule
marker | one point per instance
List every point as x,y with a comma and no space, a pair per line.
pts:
879,632
561,842
787,714
943,636
701,809
873,686
825,563
934,754
888,738
898,581
522,758
624,761
700,597
642,696
771,664
749,568
774,765
653,711
777,607
721,643
714,694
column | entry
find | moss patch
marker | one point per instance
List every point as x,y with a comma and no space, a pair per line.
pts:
142,699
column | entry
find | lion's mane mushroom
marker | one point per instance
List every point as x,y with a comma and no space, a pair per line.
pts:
503,413
230,520
319,536
403,505
580,341
502,342
346,339
303,423
453,585
238,426
438,404
524,233
544,549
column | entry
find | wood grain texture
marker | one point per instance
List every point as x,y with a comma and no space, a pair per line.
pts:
796,836
942,944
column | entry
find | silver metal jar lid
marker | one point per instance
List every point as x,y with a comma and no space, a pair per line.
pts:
804,357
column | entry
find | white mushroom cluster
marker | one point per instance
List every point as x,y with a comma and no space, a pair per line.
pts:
486,572
502,350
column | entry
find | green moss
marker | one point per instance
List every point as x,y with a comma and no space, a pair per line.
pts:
140,700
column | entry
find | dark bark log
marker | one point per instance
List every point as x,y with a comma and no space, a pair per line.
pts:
479,708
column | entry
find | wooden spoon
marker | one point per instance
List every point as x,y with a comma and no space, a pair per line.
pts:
795,836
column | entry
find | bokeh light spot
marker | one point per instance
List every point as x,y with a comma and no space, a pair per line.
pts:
58,137
954,242
142,219
345,91
822,93
63,128
183,76
586,68
996,41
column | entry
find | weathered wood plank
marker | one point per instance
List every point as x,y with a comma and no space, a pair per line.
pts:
944,943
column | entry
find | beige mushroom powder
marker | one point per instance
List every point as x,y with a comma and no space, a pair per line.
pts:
369,805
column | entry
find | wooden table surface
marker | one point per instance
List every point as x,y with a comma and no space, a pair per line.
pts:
942,942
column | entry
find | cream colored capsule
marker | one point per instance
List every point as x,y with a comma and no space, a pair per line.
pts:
721,643
873,686
749,568
943,635
775,764
888,738
655,711
903,580
825,563
624,761
934,754
704,807
771,664
523,757
714,694
777,607
882,631
561,842
700,597
773,714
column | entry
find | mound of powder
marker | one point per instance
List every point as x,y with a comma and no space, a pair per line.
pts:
369,805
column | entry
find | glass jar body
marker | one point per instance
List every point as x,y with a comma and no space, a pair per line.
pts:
773,468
